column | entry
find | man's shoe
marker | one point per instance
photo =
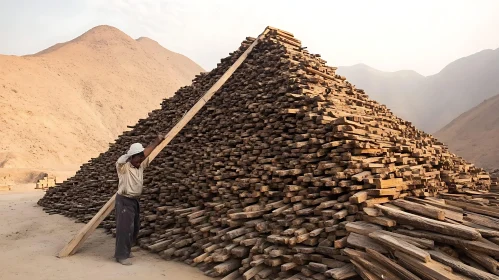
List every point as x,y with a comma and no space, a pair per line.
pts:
124,261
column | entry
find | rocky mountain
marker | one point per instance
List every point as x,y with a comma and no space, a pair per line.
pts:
63,105
431,102
475,134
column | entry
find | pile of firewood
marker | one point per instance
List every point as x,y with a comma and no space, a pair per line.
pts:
454,237
264,182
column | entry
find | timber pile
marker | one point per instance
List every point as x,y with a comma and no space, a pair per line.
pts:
46,182
455,236
263,181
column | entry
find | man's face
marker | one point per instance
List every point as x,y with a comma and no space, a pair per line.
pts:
137,159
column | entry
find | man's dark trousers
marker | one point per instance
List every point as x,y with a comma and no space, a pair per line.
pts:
127,225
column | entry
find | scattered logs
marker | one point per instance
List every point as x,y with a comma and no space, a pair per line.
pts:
290,172
427,247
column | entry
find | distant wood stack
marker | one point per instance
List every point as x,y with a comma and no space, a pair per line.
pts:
46,182
285,174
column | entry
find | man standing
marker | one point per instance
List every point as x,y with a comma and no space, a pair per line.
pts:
130,168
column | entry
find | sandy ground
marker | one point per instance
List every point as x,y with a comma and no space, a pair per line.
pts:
30,239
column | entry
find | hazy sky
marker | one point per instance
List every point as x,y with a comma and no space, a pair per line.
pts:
388,35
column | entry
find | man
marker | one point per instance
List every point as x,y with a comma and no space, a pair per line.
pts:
130,168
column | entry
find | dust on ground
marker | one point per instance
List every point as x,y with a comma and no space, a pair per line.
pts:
30,239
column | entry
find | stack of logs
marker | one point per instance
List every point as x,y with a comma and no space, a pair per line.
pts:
455,236
263,181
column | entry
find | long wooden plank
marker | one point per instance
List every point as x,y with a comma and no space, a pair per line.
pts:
87,230
90,227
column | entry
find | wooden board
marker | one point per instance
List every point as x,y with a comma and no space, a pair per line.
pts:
390,183
90,227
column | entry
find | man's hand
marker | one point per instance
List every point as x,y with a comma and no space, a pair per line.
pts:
156,142
161,137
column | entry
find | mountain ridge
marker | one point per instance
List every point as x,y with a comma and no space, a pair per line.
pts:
431,102
370,68
63,105
475,133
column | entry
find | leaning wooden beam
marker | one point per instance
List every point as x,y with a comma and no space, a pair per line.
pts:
90,227
87,230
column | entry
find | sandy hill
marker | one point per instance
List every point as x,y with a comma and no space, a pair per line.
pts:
432,102
63,105
475,134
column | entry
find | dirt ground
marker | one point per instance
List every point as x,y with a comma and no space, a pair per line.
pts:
30,239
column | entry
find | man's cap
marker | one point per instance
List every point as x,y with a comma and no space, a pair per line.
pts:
135,148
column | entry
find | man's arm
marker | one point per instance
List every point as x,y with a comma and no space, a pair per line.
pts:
154,144
120,163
